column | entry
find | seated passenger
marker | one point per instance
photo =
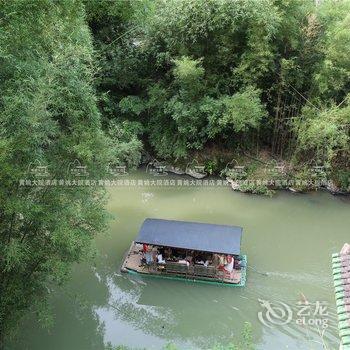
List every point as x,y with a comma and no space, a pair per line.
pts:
216,260
222,262
160,259
168,253
149,258
189,258
204,263
149,255
229,266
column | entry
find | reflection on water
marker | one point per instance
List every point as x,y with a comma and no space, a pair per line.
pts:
288,239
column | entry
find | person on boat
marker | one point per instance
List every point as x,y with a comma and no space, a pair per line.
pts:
229,267
202,262
168,253
144,247
149,255
237,263
160,259
230,262
189,257
221,262
216,260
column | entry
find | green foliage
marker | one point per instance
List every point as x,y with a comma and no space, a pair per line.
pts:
245,342
342,179
325,132
193,117
242,111
170,347
303,179
212,166
186,78
333,77
255,188
228,73
132,105
183,75
48,116
125,147
189,76
210,92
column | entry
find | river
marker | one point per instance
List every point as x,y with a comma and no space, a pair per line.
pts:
288,239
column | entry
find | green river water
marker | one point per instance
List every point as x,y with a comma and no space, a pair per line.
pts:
290,237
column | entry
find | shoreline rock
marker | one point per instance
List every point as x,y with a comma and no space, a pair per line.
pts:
236,186
190,172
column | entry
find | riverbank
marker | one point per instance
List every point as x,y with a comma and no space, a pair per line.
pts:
258,174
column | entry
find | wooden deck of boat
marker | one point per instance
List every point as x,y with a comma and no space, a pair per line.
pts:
133,258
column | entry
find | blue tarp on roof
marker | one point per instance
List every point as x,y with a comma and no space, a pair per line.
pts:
222,239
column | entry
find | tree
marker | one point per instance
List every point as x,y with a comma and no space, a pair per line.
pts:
48,117
322,128
324,138
191,74
333,76
120,70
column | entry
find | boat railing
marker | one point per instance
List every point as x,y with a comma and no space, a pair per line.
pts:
192,271
177,268
205,271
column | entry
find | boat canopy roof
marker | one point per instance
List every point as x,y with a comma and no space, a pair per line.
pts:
222,239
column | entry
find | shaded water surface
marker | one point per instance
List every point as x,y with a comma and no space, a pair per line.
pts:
288,239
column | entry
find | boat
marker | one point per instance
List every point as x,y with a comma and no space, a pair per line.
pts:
188,251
